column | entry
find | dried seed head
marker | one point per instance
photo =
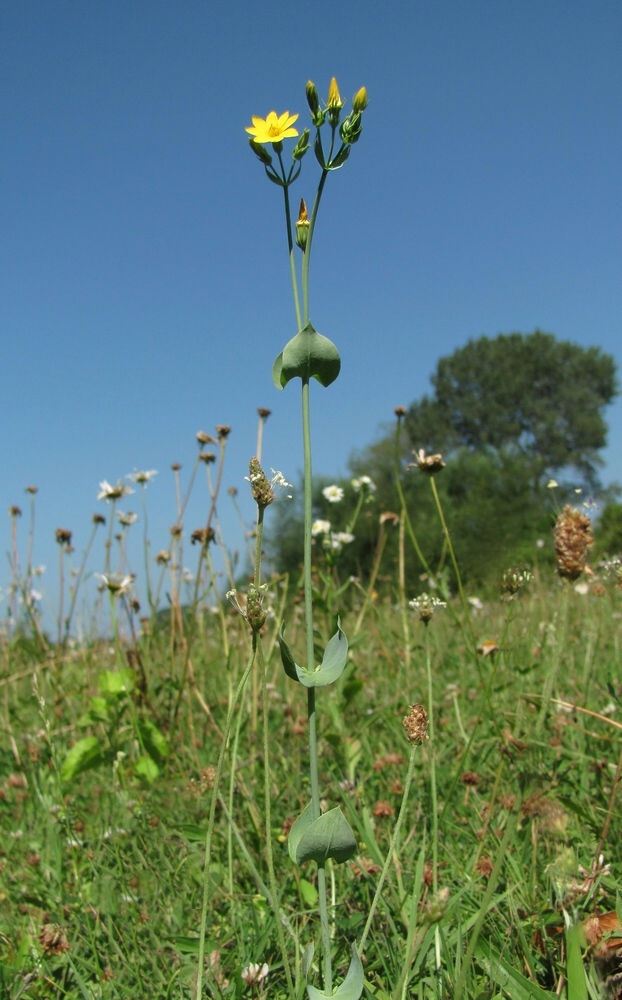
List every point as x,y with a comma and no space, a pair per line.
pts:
63,536
430,464
176,530
32,490
400,411
53,939
207,456
264,490
176,466
15,511
203,536
163,557
223,431
416,724
263,413
573,537
204,438
98,519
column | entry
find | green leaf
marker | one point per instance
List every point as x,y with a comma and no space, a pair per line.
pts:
333,663
289,665
153,740
308,892
116,682
328,836
86,753
352,986
575,972
186,945
505,975
147,769
307,355
99,709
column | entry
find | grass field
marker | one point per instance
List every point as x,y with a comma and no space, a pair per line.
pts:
504,878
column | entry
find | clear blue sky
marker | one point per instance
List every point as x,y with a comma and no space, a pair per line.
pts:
144,280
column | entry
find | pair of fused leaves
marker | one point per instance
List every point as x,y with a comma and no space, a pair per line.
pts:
352,986
330,669
307,355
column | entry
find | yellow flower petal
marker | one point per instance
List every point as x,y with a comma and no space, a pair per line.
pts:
273,128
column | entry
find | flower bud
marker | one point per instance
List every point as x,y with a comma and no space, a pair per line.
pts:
359,101
351,128
301,146
260,152
334,97
313,99
302,226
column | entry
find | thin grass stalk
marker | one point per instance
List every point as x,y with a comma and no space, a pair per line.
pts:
76,587
551,677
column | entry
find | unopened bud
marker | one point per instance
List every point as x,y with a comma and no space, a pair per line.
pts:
351,128
334,97
302,226
359,101
301,146
313,98
436,906
260,152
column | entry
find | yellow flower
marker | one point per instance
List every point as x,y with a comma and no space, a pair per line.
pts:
273,128
334,97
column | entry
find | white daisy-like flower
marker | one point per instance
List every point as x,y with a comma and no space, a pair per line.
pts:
117,492
363,483
116,583
127,519
320,528
343,537
333,493
552,483
141,477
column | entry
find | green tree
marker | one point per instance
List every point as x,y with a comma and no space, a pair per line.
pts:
526,394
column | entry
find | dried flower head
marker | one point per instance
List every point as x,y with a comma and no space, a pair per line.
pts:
430,464
15,511
416,724
427,606
53,939
98,519
223,431
263,412
400,411
207,456
204,438
163,557
176,530
573,537
32,490
63,536
202,536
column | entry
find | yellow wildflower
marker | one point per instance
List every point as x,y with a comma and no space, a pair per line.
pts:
273,128
334,97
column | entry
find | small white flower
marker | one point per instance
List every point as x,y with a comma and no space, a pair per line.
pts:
552,483
255,973
35,595
363,483
582,588
342,537
540,543
475,603
141,477
333,493
127,519
116,583
117,492
38,570
427,606
320,528
609,709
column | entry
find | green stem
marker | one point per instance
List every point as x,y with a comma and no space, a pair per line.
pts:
311,710
306,257
551,677
463,600
292,258
428,665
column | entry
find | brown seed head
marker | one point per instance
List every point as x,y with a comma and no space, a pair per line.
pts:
232,491
15,511
53,939
430,464
400,411
261,487
416,724
573,537
223,431
98,519
203,536
263,413
204,438
63,536
207,456
383,809
176,530
32,490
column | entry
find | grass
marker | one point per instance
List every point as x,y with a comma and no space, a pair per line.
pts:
101,875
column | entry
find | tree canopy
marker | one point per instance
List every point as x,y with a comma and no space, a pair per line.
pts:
525,393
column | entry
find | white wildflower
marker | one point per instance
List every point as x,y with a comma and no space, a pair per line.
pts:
320,528
427,606
363,483
552,483
142,478
116,583
127,519
333,493
117,492
255,973
582,588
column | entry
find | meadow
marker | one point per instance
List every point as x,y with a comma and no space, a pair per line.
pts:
502,881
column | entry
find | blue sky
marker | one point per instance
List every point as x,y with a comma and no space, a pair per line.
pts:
144,280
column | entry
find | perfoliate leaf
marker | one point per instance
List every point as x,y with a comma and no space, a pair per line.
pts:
84,754
147,769
153,740
332,665
116,682
328,836
352,986
289,664
307,355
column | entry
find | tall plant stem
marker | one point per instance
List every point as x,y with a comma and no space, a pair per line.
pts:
306,257
311,710
292,259
432,745
454,561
